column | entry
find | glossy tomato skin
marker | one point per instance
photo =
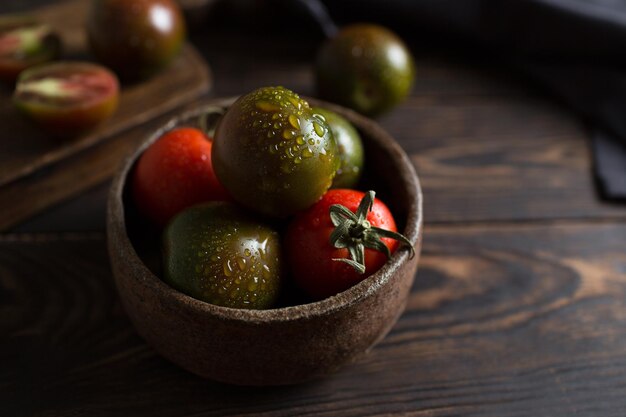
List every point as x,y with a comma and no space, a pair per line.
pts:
365,67
135,38
67,98
217,253
174,173
25,42
273,154
310,254
349,147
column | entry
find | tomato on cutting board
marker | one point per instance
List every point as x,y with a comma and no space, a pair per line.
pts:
25,42
67,98
135,38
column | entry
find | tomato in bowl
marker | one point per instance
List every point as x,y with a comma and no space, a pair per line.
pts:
298,339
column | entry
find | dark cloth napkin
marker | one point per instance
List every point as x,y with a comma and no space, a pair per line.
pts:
575,48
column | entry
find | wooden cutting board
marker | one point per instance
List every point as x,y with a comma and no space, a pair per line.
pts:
28,154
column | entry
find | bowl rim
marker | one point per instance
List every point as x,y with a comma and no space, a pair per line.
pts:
117,232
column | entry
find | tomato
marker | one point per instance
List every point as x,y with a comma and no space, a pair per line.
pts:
25,42
216,253
322,268
174,173
67,98
349,146
273,154
135,38
365,67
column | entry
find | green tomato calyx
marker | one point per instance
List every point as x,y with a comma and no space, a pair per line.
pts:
354,232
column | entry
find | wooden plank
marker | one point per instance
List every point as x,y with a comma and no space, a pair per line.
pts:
35,193
24,149
498,158
504,320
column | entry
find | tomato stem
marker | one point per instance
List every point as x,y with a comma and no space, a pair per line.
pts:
319,13
207,121
354,232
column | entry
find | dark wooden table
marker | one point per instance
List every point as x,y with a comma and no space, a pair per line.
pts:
519,306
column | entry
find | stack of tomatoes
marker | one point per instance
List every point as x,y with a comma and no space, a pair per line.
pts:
273,166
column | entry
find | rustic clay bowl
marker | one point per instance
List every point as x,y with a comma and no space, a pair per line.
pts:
285,345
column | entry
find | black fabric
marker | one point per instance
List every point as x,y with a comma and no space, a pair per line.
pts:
609,158
576,48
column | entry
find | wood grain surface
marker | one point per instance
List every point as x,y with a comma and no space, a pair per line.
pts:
75,174
513,320
518,309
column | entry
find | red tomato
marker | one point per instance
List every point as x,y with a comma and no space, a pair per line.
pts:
311,255
174,173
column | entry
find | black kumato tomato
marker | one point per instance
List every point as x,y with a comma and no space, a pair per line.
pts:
365,67
273,153
217,253
135,38
349,146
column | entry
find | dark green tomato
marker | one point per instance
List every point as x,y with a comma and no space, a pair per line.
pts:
25,42
216,253
349,146
273,154
135,38
365,67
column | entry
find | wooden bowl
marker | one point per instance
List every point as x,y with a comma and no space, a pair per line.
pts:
284,345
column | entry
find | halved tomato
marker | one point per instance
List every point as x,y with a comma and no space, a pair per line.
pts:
25,42
67,98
